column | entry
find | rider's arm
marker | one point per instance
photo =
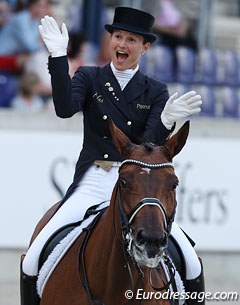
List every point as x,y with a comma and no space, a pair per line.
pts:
69,95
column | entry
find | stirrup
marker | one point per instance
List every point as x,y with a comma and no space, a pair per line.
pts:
196,285
28,289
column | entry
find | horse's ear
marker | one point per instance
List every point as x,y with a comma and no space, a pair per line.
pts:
121,141
176,142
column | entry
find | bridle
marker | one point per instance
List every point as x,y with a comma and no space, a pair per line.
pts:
126,220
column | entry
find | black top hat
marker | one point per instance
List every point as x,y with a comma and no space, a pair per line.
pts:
134,21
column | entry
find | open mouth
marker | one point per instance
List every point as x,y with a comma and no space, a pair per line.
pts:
121,56
141,257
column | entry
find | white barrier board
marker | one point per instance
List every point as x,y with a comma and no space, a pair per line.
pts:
34,164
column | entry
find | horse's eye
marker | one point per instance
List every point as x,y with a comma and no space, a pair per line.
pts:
122,183
174,185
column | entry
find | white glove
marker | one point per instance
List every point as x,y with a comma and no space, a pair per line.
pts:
55,40
180,108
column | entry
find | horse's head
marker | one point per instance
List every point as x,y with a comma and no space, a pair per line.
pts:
146,194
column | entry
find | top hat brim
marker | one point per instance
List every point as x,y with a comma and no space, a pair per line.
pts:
149,36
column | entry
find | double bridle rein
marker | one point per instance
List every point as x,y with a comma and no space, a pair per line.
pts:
127,237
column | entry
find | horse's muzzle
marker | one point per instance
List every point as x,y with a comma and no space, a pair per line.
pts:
148,249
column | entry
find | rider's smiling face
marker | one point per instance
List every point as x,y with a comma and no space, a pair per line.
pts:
126,49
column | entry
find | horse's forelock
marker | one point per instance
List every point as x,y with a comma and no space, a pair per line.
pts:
149,146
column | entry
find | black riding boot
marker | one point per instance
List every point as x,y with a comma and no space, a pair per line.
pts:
28,289
196,285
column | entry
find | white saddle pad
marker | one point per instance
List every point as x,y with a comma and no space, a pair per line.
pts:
60,250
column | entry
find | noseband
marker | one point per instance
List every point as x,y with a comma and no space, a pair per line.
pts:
126,220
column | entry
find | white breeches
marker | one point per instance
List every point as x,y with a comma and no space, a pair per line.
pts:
95,187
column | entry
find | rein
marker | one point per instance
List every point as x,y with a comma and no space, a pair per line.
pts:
81,258
125,222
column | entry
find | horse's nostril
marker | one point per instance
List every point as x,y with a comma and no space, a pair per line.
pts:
141,238
153,243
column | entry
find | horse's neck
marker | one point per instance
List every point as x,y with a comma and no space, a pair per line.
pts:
108,261
108,236
105,245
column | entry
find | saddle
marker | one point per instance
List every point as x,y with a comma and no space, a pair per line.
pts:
173,248
62,232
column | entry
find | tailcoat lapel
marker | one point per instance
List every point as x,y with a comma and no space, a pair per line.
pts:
112,90
122,99
135,88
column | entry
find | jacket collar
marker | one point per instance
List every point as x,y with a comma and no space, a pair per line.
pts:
136,86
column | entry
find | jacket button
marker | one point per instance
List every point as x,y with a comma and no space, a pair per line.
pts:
129,123
105,156
105,117
105,137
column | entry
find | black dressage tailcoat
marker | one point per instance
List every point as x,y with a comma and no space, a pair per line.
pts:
95,91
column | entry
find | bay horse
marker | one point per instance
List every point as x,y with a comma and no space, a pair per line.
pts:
125,250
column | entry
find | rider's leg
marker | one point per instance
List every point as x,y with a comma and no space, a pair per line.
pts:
95,187
196,285
194,269
28,288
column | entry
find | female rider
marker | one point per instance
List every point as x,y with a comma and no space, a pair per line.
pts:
139,106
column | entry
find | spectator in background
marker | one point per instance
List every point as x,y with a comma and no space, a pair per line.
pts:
37,64
74,16
12,64
18,5
93,20
20,34
172,28
76,49
9,63
28,100
104,54
22,50
89,17
4,13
